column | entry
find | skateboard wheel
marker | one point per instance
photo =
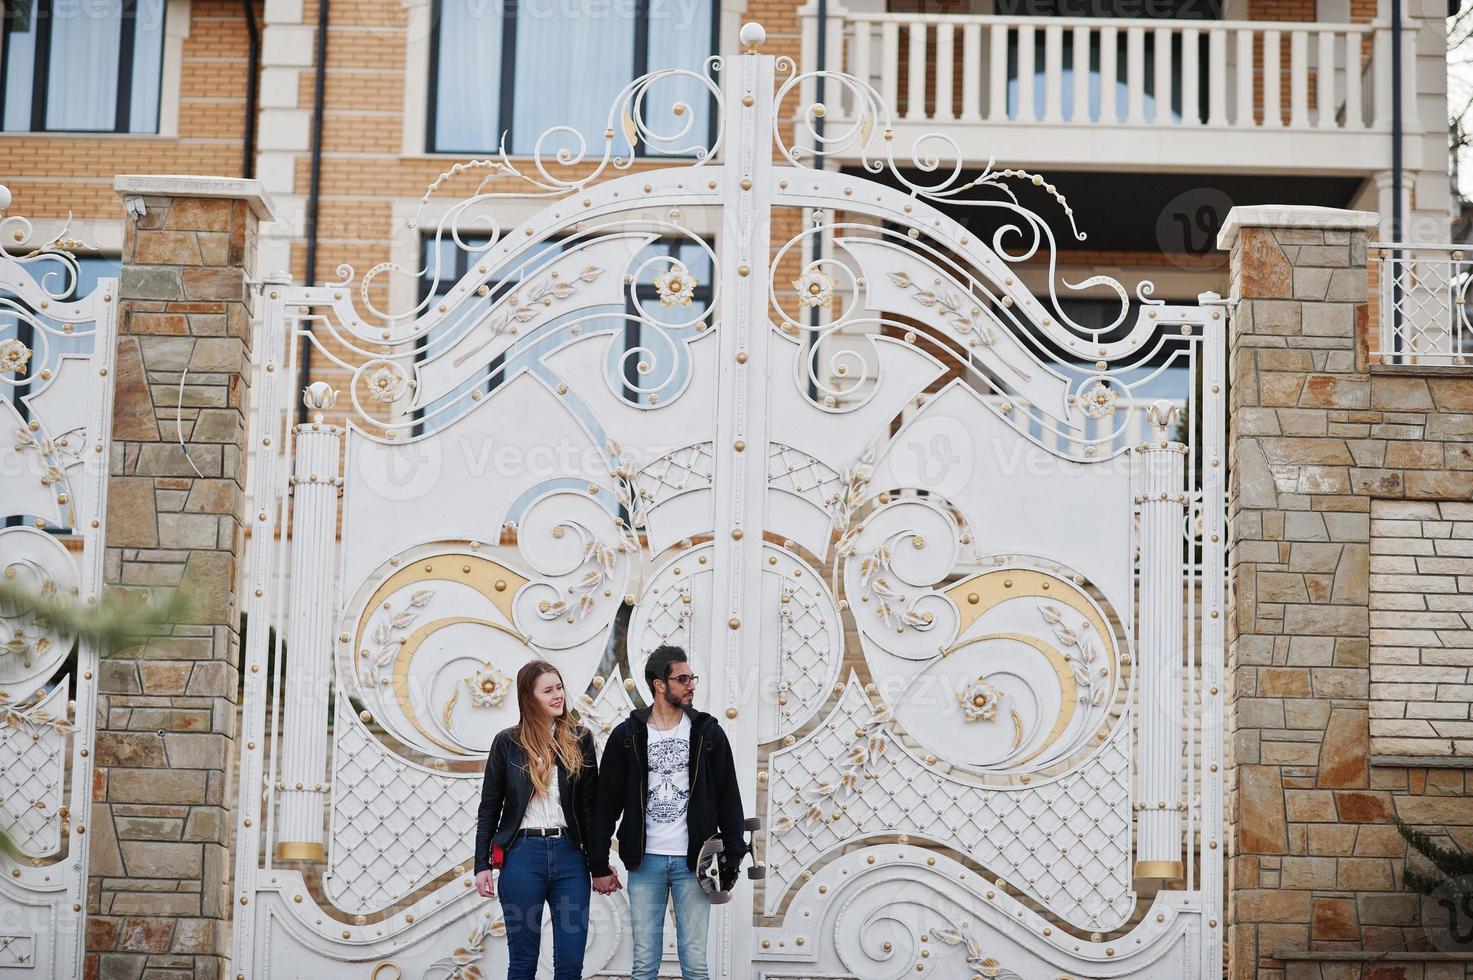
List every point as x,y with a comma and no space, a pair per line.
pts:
754,823
757,872
720,898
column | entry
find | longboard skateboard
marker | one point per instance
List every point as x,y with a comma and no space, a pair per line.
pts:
714,883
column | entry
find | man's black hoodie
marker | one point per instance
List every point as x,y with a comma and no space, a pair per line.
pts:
623,787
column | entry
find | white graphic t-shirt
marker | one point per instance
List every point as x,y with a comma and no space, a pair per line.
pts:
669,790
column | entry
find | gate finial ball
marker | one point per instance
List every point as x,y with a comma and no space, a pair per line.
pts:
752,35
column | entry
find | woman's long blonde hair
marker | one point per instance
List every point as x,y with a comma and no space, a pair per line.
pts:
540,739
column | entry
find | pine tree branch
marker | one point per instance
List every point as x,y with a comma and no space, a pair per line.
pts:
1453,862
1420,883
120,619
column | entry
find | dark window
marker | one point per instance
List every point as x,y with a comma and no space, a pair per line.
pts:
445,264
517,68
53,275
88,66
46,351
698,262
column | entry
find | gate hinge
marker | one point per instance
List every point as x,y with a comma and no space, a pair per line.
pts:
279,278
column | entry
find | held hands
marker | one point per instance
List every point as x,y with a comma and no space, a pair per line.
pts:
608,884
485,884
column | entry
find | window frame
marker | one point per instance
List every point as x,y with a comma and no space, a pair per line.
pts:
506,90
41,67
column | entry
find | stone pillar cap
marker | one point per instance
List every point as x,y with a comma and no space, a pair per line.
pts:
253,192
1291,216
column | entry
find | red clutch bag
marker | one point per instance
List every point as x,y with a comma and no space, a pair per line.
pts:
497,856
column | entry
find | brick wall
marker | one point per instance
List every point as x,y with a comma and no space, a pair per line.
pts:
1317,440
1421,623
52,175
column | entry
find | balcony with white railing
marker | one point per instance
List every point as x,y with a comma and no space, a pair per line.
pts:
1109,93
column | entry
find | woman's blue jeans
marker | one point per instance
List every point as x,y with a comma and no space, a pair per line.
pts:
542,871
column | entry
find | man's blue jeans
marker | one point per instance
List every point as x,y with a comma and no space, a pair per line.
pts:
651,885
538,871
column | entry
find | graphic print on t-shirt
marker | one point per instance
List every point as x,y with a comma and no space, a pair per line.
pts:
669,781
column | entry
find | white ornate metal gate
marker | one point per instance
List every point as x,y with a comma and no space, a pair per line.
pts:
56,351
952,579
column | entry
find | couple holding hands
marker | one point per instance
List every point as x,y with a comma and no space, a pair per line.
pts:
548,810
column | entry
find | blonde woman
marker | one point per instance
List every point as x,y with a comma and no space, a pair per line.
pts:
536,808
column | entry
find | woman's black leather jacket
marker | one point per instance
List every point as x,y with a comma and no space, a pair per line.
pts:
507,788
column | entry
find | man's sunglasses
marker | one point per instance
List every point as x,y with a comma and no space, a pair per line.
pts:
686,679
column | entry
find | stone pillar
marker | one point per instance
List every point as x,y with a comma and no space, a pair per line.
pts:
157,897
1298,674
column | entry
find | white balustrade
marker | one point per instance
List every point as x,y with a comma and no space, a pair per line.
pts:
1136,72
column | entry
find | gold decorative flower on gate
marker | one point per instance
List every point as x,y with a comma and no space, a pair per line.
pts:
980,700
815,288
13,356
386,383
676,286
489,687
1098,400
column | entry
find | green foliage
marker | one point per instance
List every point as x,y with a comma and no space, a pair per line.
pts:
119,620
1450,862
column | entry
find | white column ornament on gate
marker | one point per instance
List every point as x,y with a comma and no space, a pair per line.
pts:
1162,504
315,486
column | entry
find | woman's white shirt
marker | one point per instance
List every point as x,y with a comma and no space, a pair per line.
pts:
545,810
